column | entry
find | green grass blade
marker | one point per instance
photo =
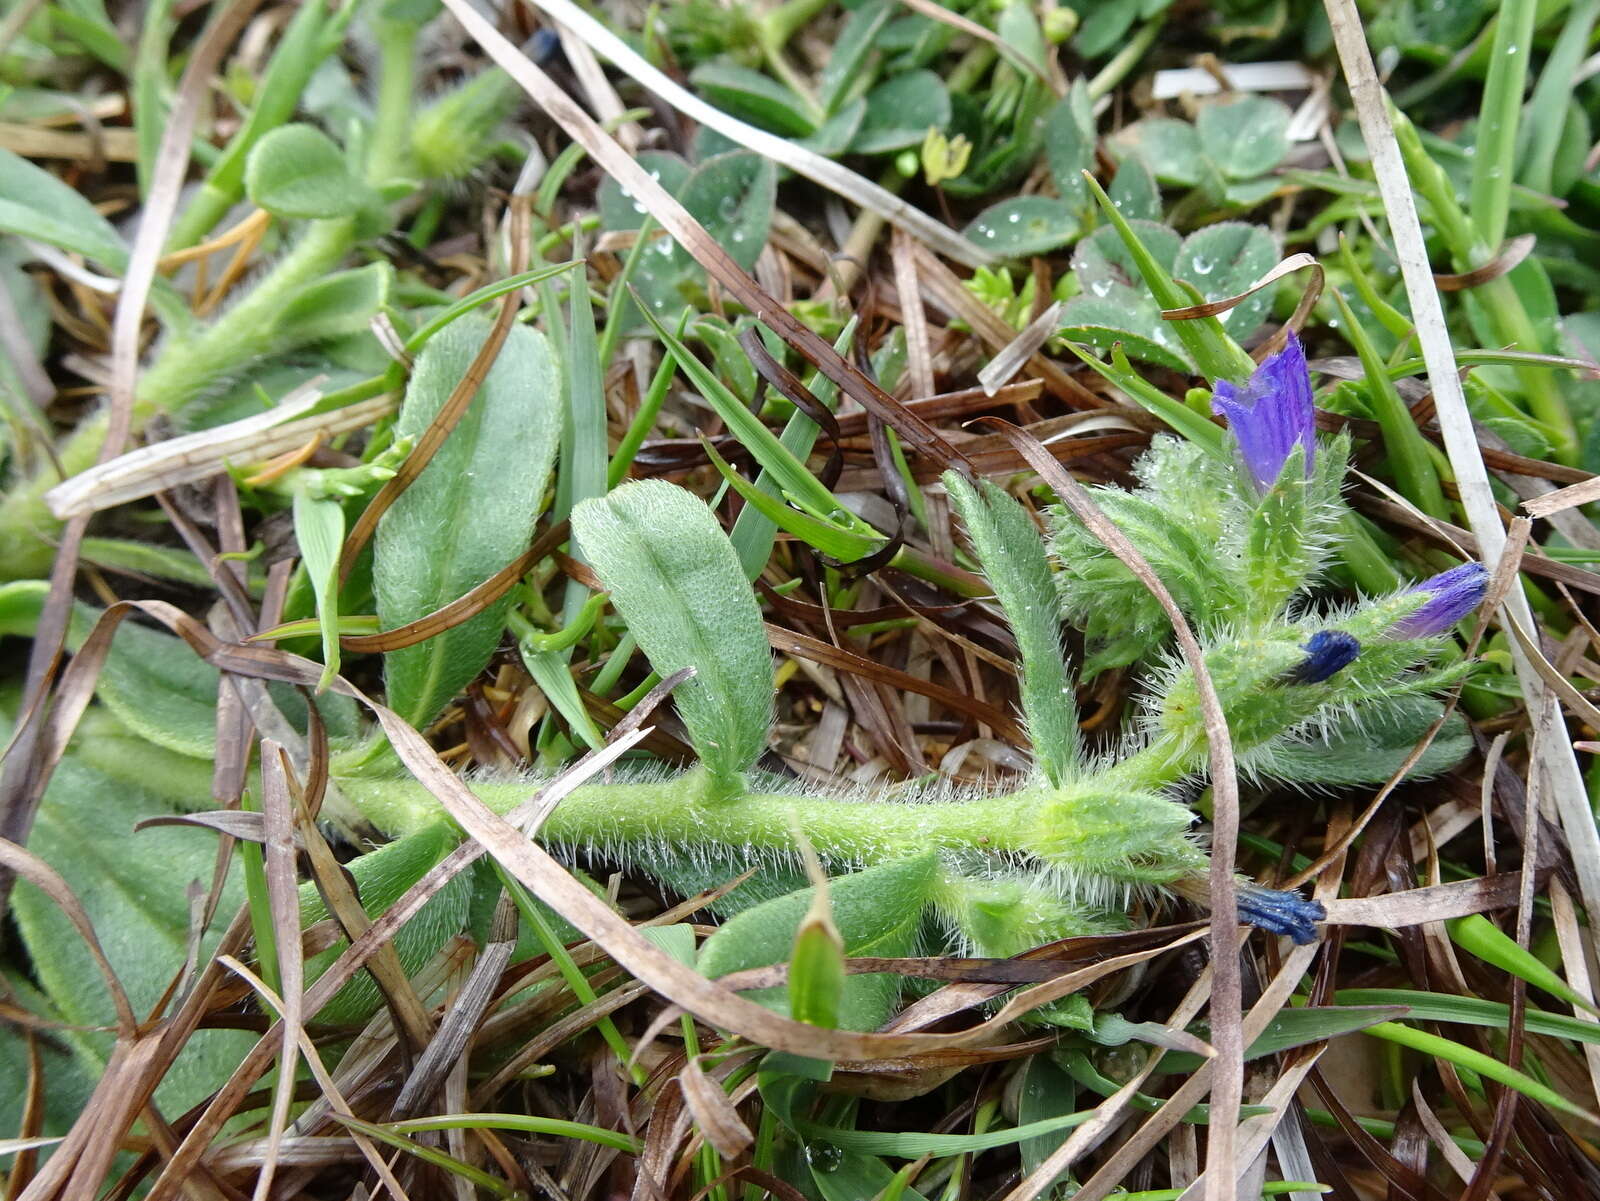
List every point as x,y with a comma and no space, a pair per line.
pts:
1494,157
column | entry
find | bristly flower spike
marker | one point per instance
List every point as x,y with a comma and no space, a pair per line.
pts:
1451,595
1273,414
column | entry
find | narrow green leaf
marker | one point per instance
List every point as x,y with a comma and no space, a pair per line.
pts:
1216,354
1180,417
1494,156
788,472
1477,1061
1409,455
844,545
850,52
1470,1011
676,581
753,529
1478,936
469,513
1014,561
35,204
816,965
319,529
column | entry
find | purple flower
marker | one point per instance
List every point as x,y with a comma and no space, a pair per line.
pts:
1280,912
1450,595
1272,415
1327,652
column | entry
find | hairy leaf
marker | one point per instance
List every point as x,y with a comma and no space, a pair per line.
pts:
676,580
470,512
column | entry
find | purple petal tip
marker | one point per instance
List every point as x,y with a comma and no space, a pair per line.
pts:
1272,415
1450,596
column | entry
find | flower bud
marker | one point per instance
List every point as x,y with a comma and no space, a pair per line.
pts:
1450,596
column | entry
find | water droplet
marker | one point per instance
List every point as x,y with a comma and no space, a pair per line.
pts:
824,1157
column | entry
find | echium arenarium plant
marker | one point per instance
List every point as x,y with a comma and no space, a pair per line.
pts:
1313,693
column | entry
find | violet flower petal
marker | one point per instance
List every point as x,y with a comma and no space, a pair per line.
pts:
1451,595
1273,415
1327,652
1280,912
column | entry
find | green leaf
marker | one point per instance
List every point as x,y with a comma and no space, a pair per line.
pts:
155,684
1369,750
470,512
133,887
756,97
619,210
1471,1011
296,172
1170,148
35,204
1069,141
381,878
319,529
1223,260
1477,1061
344,302
842,544
675,579
732,195
1127,319
816,965
1288,1029
1245,135
876,911
787,471
1478,936
1024,225
850,51
1216,354
1103,259
1134,190
900,113
1013,559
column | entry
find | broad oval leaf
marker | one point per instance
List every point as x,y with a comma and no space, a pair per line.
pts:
754,96
1024,225
900,113
296,172
1123,317
470,512
676,580
1223,260
1169,147
619,210
1069,142
1102,260
1134,190
876,911
1245,135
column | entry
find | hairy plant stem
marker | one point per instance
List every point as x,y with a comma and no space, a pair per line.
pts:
184,368
189,364
685,811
